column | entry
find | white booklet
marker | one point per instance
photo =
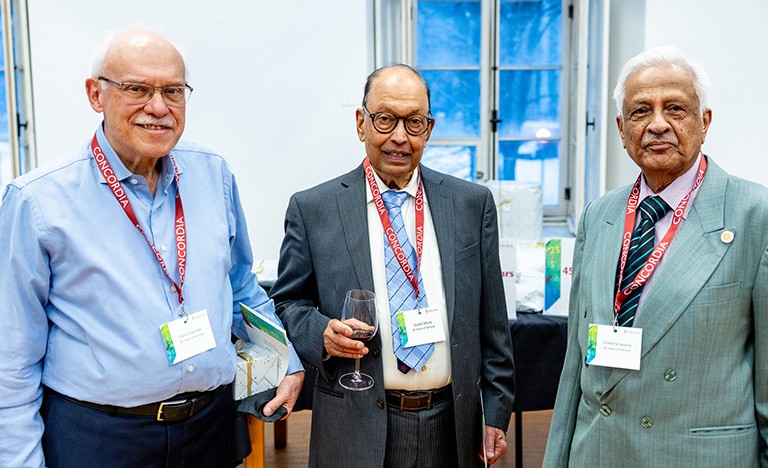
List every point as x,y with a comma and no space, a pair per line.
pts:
265,333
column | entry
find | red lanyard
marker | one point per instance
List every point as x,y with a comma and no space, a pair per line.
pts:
122,198
390,233
658,252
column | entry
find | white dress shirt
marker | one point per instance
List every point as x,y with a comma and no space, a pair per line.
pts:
436,372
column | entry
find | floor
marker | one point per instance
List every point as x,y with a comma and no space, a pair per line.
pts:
294,455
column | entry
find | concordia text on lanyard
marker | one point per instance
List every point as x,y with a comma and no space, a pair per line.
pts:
122,198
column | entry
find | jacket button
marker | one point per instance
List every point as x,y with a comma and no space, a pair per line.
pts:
646,422
670,375
380,404
606,410
375,353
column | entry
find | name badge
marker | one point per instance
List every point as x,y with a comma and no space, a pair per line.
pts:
187,336
611,346
420,326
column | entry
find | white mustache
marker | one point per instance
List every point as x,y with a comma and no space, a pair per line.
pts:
649,141
162,122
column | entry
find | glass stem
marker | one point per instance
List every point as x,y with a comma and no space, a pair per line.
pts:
357,370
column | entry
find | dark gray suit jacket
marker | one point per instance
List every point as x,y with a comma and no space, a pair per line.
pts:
326,252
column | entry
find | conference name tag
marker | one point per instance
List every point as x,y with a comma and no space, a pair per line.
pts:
420,326
612,346
187,336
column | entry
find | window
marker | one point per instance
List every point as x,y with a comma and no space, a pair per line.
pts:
16,145
497,73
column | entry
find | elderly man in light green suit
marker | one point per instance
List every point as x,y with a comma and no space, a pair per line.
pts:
697,394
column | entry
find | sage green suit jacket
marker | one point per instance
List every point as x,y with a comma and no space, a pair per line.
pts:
700,397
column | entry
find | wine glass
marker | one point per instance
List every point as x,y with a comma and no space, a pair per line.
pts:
359,313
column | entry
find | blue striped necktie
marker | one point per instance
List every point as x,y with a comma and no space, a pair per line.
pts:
652,209
400,290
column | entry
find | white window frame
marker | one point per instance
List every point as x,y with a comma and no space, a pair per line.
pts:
582,168
18,92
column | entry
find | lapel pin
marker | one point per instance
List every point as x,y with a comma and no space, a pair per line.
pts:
726,237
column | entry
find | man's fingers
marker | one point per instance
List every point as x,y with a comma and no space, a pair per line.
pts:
337,343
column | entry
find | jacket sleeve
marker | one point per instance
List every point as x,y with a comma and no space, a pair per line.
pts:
24,283
569,389
498,371
760,311
295,292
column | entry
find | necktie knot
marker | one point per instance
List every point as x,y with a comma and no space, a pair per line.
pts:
653,208
393,199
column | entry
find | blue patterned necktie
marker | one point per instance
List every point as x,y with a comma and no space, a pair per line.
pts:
400,291
652,209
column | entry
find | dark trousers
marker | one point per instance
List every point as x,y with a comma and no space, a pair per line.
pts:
421,439
77,436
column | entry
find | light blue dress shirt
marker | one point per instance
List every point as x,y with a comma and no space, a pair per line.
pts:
83,295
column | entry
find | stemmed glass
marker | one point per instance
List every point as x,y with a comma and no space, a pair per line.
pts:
360,314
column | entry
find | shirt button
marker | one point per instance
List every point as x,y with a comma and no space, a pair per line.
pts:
670,375
173,288
190,368
134,181
646,422
379,404
606,410
163,247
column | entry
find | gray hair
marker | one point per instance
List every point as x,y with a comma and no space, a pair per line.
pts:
373,76
658,57
111,39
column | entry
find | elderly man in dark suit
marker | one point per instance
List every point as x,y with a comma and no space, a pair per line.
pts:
440,263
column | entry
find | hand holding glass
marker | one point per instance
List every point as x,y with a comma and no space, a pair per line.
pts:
359,313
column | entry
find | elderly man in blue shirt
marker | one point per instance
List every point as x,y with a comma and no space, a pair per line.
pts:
133,232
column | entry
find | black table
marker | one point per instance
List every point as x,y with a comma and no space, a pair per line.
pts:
538,346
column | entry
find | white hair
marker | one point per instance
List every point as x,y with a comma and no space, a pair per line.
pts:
111,39
658,57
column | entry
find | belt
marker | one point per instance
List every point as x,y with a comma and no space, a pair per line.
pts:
418,400
183,406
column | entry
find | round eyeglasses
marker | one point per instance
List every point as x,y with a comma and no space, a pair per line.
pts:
138,93
385,122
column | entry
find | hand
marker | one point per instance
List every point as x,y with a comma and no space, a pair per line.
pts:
287,393
495,444
337,342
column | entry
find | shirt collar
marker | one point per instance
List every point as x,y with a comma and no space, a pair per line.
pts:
411,188
122,172
674,193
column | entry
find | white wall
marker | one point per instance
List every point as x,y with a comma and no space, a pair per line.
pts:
729,40
276,86
276,82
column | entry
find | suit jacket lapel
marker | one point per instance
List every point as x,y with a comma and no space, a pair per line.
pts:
693,255
608,237
441,208
351,201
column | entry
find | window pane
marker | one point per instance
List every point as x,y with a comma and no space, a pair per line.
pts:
455,102
448,33
531,32
458,161
6,163
534,162
529,104
3,109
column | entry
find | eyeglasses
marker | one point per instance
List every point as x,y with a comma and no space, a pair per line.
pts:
385,122
137,93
